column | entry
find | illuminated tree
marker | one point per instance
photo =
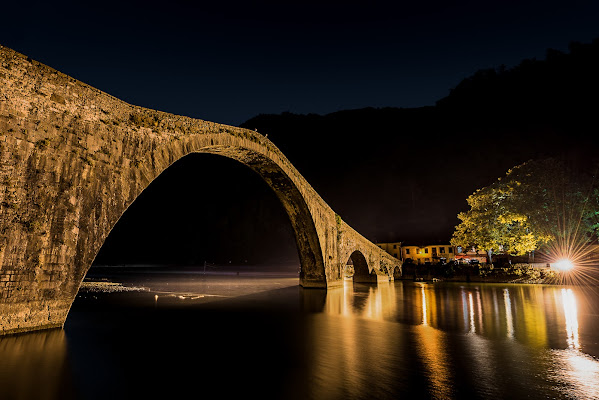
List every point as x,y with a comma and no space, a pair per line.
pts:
536,203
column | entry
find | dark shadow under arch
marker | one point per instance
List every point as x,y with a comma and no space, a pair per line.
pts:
312,273
397,272
361,270
189,215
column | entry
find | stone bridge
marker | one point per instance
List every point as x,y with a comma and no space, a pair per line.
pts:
73,158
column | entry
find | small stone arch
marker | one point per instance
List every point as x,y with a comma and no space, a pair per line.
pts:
362,272
397,272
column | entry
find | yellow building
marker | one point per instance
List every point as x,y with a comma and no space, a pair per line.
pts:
393,248
420,254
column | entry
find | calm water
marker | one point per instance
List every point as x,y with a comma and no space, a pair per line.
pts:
186,335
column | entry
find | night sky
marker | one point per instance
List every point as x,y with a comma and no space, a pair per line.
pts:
229,61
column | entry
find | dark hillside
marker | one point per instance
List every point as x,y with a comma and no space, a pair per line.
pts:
417,166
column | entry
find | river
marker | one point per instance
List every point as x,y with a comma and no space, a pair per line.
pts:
180,333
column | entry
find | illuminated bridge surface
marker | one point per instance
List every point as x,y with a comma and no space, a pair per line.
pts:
73,159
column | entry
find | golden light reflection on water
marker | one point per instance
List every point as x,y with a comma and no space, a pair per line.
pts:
471,313
530,314
508,314
367,301
575,371
578,373
424,316
571,314
34,366
352,340
391,340
432,349
433,352
536,328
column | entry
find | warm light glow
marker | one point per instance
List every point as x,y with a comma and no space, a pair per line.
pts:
424,319
571,256
571,313
508,313
563,265
471,313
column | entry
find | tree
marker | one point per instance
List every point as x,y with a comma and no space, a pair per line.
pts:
537,203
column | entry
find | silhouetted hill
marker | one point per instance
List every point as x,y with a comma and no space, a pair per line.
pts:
396,173
561,90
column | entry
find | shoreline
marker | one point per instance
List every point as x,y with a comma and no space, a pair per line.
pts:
516,274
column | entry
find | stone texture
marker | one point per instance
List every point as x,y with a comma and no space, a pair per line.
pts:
73,158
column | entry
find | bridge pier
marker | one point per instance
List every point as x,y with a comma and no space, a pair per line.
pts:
313,284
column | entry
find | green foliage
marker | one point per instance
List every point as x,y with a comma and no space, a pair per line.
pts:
535,203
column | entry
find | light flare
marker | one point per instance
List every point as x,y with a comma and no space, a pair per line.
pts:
570,239
573,260
563,265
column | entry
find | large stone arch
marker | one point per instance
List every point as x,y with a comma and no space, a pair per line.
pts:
312,271
72,159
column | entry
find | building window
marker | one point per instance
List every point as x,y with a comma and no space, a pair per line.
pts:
395,255
395,246
450,249
407,251
441,249
426,251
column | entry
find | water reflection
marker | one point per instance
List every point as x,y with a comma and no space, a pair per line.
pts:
530,328
432,348
508,314
350,356
569,302
424,315
360,341
35,366
577,373
363,300
536,315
